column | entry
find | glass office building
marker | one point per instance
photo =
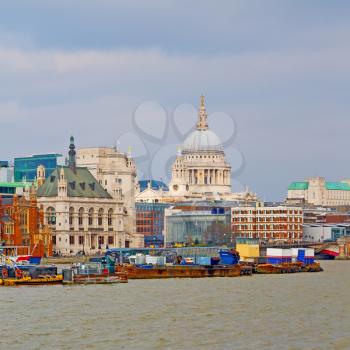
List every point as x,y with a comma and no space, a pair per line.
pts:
198,227
26,167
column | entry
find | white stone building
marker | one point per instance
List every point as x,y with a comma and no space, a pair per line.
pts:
116,173
200,170
319,192
81,213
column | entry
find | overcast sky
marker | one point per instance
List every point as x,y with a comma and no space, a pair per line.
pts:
280,69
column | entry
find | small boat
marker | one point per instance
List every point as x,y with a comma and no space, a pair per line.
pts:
93,273
27,280
12,274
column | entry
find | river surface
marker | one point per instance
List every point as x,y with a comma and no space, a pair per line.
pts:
296,311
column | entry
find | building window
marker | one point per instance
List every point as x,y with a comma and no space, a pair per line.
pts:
71,240
100,217
101,240
110,217
54,240
91,216
51,216
71,216
81,216
110,240
81,240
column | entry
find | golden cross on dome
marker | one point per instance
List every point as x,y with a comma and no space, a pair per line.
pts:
202,123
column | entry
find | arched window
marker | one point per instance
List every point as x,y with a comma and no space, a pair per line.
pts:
110,217
51,216
100,217
71,216
91,216
81,216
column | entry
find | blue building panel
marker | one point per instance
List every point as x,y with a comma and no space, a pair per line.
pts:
26,167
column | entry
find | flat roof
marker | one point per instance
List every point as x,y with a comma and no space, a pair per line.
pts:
15,184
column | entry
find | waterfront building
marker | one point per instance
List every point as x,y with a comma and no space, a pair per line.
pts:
209,226
25,168
150,220
115,171
267,222
84,217
325,232
22,225
319,192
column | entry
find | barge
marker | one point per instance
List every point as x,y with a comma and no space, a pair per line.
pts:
182,271
152,267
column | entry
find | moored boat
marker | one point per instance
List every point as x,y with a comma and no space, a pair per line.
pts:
93,273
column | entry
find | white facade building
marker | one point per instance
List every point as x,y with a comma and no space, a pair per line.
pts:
116,173
319,192
81,213
201,169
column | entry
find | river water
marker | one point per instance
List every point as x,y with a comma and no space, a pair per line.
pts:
296,311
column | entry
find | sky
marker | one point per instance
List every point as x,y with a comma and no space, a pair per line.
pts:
275,74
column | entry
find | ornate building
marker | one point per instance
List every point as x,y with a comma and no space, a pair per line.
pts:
317,191
82,214
116,173
22,225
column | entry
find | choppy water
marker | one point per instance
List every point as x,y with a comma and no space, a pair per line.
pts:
298,311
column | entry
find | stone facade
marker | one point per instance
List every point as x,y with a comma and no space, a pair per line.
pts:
116,172
200,168
317,191
83,216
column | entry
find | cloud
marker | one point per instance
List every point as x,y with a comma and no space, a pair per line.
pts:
281,71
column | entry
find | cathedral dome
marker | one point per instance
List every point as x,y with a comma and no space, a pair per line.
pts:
202,140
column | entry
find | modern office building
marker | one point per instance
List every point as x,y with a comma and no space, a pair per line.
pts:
25,168
11,188
208,227
150,220
326,232
6,171
267,222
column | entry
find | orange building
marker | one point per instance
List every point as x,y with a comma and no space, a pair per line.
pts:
21,225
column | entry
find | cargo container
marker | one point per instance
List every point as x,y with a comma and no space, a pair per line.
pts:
203,260
278,255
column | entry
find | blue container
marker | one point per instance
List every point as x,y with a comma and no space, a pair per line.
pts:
228,258
301,255
204,260
34,260
146,267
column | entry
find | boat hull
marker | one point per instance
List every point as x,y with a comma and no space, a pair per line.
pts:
31,281
181,271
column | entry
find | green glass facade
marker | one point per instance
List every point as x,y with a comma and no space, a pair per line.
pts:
26,167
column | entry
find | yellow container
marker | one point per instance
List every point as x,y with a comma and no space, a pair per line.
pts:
248,251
